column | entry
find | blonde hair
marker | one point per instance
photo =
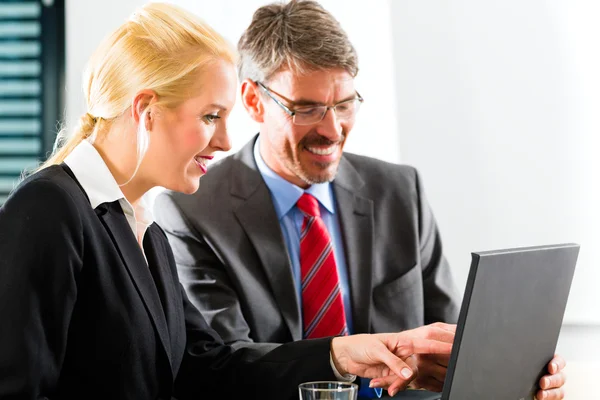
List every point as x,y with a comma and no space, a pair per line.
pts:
162,48
300,35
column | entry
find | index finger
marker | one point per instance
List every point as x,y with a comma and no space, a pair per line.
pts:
424,346
445,326
436,331
556,364
440,334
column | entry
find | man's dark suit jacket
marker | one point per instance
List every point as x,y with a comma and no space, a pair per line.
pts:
83,316
233,263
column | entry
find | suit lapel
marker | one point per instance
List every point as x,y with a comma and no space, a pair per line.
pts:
168,289
115,222
356,223
258,218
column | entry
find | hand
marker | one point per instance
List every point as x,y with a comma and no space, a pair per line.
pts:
431,368
551,385
432,371
383,355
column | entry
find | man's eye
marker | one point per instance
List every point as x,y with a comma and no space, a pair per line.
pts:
308,111
344,107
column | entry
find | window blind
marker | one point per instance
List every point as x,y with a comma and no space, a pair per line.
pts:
31,84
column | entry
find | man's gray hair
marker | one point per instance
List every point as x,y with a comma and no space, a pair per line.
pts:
300,35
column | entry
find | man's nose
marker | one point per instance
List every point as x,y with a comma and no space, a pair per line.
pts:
329,126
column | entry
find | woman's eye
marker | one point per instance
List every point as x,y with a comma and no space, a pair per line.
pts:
211,118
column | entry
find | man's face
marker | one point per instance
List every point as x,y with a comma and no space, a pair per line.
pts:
305,154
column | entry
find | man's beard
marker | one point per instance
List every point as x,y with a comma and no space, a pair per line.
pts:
328,170
328,175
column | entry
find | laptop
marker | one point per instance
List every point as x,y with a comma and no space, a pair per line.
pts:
509,323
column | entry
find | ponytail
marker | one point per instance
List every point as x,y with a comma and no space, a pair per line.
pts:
65,143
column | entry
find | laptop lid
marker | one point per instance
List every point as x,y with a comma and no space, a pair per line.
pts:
509,322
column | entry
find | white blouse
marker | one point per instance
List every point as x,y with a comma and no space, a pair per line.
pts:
100,186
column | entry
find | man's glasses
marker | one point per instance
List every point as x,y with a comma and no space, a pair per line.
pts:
345,110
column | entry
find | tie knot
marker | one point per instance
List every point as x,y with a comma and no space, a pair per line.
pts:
309,205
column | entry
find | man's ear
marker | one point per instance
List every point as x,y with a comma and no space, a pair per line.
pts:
252,100
143,101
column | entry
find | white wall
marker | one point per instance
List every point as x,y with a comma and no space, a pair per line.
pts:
498,106
87,23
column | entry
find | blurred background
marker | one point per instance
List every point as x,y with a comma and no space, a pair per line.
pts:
496,103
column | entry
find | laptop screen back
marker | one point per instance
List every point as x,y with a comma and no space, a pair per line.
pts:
509,322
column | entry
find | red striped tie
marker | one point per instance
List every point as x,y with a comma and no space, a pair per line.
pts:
322,305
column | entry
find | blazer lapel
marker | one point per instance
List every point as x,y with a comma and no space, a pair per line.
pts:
168,290
356,223
258,218
116,224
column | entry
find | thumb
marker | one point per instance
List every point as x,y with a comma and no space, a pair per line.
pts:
400,368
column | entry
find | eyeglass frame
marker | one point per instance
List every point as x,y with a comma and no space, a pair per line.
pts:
292,112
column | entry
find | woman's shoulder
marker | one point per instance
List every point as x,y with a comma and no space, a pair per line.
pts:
51,188
41,225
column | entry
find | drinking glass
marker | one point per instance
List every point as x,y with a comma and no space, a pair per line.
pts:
328,391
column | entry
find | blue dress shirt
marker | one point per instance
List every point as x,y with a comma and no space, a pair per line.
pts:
285,196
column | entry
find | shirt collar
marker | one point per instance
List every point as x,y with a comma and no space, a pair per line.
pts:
286,194
99,183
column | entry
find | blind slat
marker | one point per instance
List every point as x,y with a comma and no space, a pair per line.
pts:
20,10
14,49
29,29
20,68
20,107
8,184
23,145
23,126
20,88
14,165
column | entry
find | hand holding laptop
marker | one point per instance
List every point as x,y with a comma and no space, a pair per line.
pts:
431,371
505,334
552,384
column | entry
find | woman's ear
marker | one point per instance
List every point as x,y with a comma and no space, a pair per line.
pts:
252,100
143,101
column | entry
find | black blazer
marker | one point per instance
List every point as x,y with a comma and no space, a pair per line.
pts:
83,316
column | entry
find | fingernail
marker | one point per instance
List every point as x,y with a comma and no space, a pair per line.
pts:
554,367
407,373
371,384
543,395
392,393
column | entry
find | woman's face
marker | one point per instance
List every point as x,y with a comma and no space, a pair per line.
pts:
184,139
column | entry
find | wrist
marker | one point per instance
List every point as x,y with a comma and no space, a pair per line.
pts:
337,357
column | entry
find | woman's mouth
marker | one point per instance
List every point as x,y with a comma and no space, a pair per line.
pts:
201,161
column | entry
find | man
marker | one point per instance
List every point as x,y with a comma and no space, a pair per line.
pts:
290,238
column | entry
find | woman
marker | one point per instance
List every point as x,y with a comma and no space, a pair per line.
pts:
90,302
